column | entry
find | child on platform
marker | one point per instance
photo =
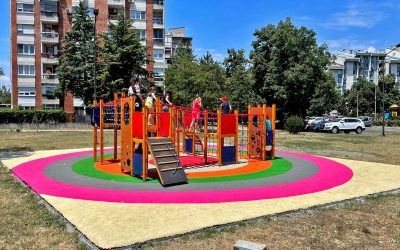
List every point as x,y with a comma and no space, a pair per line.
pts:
196,106
269,135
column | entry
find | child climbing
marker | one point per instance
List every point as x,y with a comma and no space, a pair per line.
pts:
196,106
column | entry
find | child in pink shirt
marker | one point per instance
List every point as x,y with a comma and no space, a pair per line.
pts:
196,105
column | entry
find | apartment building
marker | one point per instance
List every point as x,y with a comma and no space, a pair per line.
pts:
37,28
351,65
175,38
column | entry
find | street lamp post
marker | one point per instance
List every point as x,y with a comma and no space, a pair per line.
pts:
357,103
383,90
96,13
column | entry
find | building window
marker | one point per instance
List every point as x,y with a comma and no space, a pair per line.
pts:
142,34
25,29
24,8
158,20
138,15
339,78
158,33
28,70
26,91
49,10
159,2
27,49
158,54
158,37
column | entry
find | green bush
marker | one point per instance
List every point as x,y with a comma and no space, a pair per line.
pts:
32,116
294,124
393,123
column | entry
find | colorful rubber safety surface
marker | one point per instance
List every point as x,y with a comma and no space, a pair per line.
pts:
113,210
75,176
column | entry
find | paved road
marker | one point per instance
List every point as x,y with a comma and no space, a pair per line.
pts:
378,130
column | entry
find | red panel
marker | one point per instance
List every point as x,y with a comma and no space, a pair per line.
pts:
137,124
187,119
163,128
228,124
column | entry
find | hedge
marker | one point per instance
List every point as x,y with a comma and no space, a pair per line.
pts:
389,123
294,124
32,116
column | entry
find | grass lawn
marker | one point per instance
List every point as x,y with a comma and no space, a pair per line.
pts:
372,224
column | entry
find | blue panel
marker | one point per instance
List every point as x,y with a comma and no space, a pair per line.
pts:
138,164
270,137
96,116
228,154
188,145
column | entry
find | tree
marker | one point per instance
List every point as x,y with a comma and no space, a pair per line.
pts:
123,58
391,89
240,82
212,82
326,97
187,76
365,90
181,76
5,95
76,70
288,66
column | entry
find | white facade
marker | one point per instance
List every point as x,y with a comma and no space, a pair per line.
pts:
353,65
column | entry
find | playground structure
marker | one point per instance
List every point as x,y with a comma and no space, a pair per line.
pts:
220,138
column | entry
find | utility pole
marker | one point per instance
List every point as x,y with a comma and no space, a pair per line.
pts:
383,88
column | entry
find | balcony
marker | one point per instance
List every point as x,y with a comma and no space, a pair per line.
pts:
158,4
116,2
49,58
49,78
50,37
158,42
49,91
158,22
49,17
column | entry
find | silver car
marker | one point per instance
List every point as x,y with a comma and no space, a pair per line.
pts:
344,124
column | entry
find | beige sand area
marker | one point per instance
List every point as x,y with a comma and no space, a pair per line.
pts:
111,225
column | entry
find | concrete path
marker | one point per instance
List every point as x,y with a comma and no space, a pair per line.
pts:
111,225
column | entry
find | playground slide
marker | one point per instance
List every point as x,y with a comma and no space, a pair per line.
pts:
169,168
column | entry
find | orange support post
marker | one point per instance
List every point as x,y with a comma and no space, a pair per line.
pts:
219,138
273,123
205,140
101,131
157,116
171,124
115,125
249,121
94,135
178,133
144,146
263,131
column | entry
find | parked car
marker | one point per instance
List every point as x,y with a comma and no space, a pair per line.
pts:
367,120
312,121
316,127
345,124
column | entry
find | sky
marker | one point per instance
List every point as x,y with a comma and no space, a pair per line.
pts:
217,25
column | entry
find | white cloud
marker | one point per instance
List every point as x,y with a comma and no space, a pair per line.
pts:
351,43
304,18
371,49
362,15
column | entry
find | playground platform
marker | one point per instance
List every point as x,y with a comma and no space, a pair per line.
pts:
115,210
